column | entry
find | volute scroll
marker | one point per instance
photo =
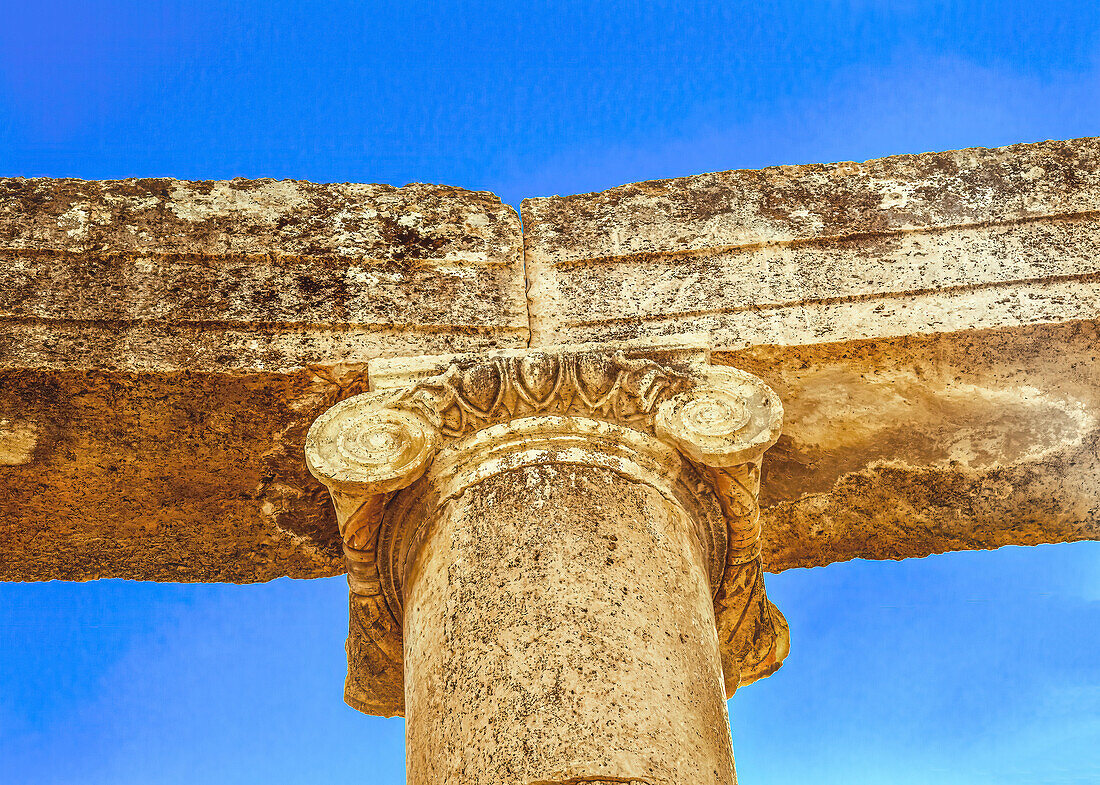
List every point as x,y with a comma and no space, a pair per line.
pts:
714,423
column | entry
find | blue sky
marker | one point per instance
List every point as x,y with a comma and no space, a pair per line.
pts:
964,668
979,668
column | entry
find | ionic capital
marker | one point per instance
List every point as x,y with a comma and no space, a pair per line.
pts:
431,427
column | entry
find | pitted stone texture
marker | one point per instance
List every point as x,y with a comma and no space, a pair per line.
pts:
657,414
251,275
559,628
171,474
171,477
908,245
164,345
240,217
898,448
941,443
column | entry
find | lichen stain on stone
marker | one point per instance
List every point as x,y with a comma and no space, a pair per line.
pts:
267,201
18,438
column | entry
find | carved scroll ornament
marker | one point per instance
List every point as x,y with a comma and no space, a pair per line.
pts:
718,420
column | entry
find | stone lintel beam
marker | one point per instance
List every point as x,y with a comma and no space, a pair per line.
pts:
930,321
897,448
557,551
825,253
164,345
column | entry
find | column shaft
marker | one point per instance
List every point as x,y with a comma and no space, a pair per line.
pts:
559,627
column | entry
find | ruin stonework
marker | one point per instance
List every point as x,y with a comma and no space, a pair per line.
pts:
539,453
558,551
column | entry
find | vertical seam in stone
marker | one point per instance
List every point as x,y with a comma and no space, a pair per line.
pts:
526,279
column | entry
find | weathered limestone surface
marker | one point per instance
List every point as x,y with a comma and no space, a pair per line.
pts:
940,242
901,447
560,629
436,427
929,321
164,346
557,551
166,275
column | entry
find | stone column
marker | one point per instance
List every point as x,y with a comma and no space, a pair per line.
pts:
551,534
558,617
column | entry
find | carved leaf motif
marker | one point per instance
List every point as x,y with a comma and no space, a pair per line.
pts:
480,388
464,399
538,378
596,377
361,527
703,412
738,488
754,631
